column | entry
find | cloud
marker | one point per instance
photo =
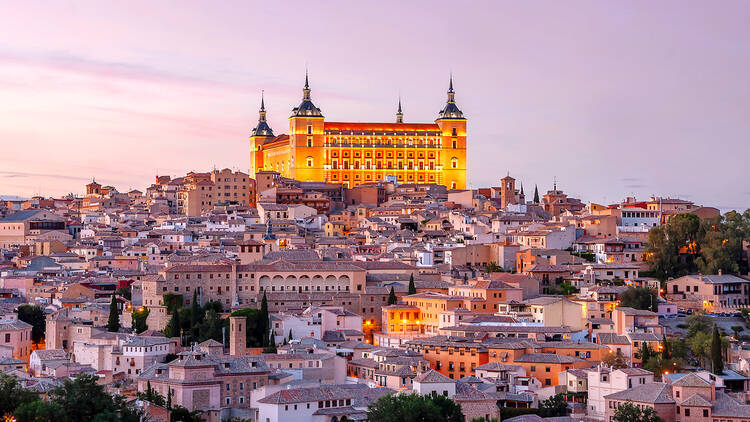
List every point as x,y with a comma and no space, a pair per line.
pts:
636,186
630,179
18,174
58,61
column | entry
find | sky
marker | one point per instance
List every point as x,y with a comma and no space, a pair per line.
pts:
611,99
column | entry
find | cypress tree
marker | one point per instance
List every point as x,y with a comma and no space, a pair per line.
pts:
412,287
264,319
113,323
290,335
169,398
173,328
392,297
195,317
270,341
717,360
665,353
536,194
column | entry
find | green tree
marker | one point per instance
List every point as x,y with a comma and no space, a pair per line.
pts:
665,349
181,414
196,317
270,341
717,358
697,323
392,300
412,287
629,412
174,326
125,291
413,408
40,411
290,335
255,327
639,298
645,352
12,394
34,315
492,267
85,400
615,360
536,194
152,396
211,328
553,406
700,346
139,317
264,319
113,323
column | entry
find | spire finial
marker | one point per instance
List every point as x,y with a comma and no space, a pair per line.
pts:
399,114
307,85
554,181
262,101
450,86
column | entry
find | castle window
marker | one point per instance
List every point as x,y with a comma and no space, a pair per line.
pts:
454,162
309,161
455,145
309,130
309,141
453,185
454,133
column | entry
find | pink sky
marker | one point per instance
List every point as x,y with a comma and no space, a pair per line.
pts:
612,98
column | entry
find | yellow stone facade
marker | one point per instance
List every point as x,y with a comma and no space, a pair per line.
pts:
358,153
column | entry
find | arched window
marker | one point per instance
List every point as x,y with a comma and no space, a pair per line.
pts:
309,161
454,162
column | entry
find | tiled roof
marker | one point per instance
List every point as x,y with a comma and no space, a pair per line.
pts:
654,393
726,406
547,358
432,377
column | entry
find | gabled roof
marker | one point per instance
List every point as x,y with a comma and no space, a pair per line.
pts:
432,377
654,393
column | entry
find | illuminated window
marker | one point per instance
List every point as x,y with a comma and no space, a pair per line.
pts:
309,161
454,162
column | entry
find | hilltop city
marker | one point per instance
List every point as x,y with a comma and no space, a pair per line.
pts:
351,275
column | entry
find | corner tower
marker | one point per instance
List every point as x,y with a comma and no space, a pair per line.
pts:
261,134
452,124
306,139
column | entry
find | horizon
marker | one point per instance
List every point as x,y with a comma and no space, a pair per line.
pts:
612,100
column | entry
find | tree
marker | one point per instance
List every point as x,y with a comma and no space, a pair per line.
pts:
34,315
553,406
665,352
255,330
196,316
212,327
125,291
392,300
12,394
645,352
639,298
270,342
85,400
717,358
413,408
615,360
174,326
181,414
140,316
152,396
492,267
169,398
536,194
290,335
113,323
412,287
697,323
40,411
264,318
629,412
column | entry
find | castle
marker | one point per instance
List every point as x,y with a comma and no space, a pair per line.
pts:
357,153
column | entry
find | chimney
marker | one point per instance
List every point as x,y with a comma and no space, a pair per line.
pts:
719,271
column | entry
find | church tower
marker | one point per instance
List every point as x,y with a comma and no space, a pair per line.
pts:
306,139
260,135
452,124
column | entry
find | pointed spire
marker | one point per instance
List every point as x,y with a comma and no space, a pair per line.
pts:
522,188
399,113
306,90
262,101
451,93
554,183
450,86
